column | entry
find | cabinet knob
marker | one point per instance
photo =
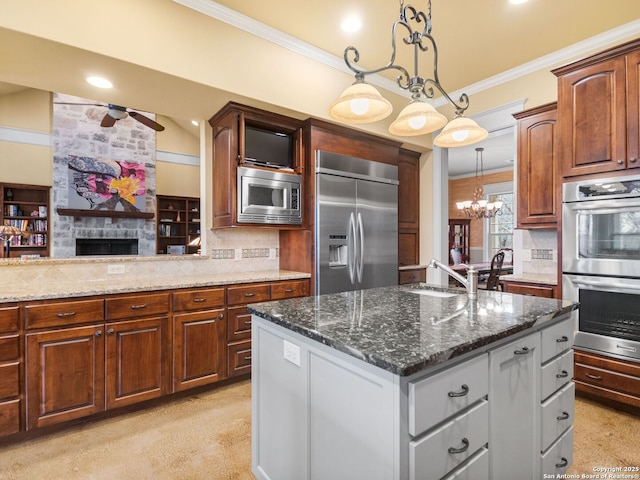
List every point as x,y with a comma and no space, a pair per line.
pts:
632,160
221,316
99,333
111,331
620,162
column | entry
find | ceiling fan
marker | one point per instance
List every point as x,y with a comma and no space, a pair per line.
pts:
116,112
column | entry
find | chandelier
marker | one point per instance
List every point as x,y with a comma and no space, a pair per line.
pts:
479,208
362,103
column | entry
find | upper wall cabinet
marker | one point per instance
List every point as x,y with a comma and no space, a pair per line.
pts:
598,112
537,167
262,141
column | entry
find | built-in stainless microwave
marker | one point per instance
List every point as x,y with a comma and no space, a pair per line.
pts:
271,197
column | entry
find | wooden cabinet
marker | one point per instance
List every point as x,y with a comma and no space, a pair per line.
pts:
528,288
11,371
27,208
609,380
538,166
229,152
178,224
460,238
413,275
199,337
598,116
408,208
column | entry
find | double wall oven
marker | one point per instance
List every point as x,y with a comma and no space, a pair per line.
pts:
601,263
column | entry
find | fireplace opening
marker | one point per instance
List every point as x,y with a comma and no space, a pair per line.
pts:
106,246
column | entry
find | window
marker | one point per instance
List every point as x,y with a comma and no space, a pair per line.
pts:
498,231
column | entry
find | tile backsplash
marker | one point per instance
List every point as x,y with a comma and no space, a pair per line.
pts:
539,251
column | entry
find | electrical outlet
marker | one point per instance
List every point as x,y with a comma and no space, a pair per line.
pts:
116,268
292,353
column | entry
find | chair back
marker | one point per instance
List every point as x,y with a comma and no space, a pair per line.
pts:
494,274
456,256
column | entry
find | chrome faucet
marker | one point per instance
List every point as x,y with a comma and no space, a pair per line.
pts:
470,283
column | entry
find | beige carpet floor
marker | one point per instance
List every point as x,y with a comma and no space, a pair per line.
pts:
208,437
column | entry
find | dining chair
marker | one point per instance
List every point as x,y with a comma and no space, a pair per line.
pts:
494,273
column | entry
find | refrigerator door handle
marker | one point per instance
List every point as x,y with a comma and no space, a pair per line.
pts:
352,248
360,248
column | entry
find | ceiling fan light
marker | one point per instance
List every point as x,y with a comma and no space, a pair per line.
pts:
117,113
460,132
417,118
360,103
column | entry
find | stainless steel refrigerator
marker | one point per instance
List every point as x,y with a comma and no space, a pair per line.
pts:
356,232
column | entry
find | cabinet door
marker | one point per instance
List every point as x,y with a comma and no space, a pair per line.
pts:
408,189
537,167
137,356
65,375
514,404
225,158
592,116
633,109
200,347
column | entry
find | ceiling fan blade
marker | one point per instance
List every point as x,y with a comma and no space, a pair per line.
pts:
146,121
108,121
82,104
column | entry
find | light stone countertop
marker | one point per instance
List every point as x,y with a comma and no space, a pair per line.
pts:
542,278
87,287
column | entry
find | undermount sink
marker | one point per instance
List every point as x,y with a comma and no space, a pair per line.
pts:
431,293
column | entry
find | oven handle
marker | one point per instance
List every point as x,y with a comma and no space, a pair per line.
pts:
605,206
609,284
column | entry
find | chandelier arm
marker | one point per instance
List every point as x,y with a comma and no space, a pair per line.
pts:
464,98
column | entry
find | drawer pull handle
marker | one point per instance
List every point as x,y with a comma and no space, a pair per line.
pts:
562,339
465,390
247,322
66,314
199,300
247,358
562,374
250,294
464,448
563,463
564,416
142,305
593,377
289,290
522,351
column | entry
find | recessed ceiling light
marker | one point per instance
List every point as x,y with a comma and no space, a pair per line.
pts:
351,24
195,123
517,2
99,82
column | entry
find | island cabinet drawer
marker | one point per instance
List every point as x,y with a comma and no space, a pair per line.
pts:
299,288
9,347
557,339
62,314
559,457
557,415
556,373
9,318
200,299
9,380
248,294
476,468
444,394
451,444
137,305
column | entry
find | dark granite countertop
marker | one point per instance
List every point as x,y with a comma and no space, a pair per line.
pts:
405,332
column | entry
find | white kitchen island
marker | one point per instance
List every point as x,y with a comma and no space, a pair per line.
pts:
412,382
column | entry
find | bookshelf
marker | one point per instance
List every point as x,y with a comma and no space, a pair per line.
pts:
27,208
178,223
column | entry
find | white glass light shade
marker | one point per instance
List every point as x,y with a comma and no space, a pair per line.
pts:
460,132
417,118
360,103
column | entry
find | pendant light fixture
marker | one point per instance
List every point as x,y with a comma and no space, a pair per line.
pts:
362,103
479,208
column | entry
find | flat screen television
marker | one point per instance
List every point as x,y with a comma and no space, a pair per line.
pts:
267,148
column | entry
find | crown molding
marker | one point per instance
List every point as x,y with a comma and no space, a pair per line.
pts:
252,26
